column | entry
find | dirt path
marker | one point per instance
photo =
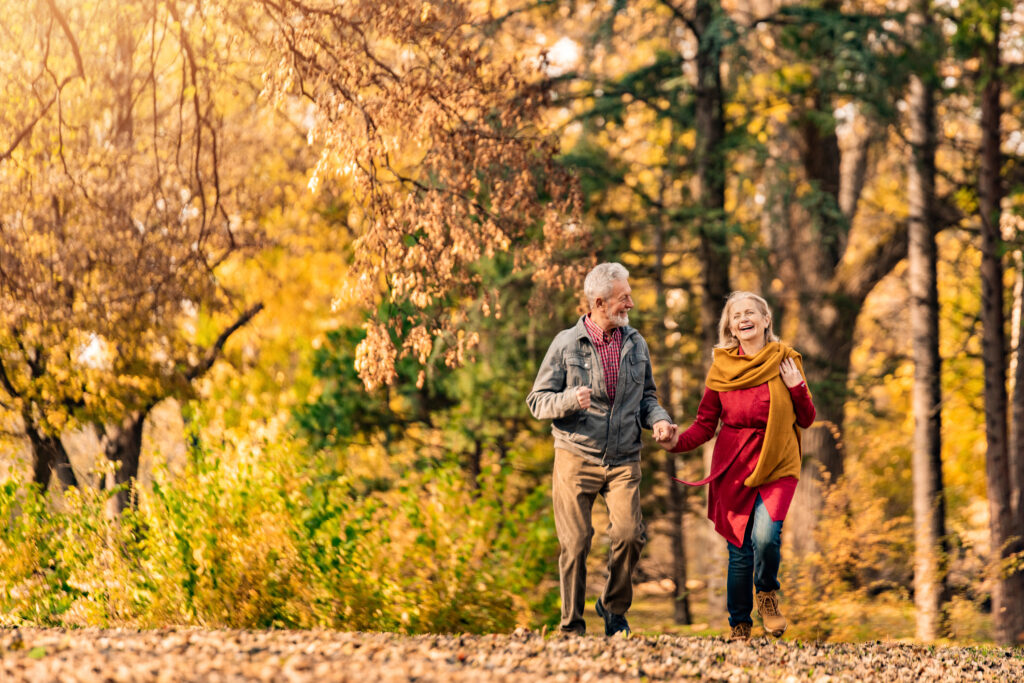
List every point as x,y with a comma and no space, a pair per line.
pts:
196,655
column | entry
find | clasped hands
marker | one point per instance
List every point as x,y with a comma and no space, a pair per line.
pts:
666,434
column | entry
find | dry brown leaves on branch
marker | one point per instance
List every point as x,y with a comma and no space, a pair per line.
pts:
433,121
121,202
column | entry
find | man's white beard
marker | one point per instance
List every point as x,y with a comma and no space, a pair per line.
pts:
620,321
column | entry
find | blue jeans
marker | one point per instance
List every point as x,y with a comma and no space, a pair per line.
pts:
754,565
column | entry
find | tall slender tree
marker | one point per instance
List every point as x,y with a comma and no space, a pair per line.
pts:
709,26
1005,522
676,498
929,501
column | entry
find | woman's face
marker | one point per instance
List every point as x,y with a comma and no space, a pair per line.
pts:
746,321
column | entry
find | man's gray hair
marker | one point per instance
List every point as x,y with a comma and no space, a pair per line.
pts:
601,279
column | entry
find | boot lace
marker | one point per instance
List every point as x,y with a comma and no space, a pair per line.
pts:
769,604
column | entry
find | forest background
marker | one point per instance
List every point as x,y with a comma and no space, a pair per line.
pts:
276,277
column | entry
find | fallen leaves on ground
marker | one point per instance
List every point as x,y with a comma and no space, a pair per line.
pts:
87,655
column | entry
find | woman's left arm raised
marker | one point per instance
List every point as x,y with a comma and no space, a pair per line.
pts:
793,376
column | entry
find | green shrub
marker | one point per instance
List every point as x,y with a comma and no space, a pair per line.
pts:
261,536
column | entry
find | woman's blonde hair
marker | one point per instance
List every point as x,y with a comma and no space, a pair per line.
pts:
726,339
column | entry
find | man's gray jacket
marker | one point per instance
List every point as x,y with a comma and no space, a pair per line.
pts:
606,433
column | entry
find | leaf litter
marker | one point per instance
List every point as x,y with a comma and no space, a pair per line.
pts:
192,654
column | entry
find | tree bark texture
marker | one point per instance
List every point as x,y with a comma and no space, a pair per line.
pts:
49,457
1004,521
930,544
1016,457
122,444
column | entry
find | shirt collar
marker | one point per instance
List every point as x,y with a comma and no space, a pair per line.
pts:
598,333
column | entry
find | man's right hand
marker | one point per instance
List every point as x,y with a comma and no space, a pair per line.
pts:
583,396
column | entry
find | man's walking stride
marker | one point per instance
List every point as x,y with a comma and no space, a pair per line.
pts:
597,386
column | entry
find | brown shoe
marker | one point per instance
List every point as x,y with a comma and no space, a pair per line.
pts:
768,610
740,632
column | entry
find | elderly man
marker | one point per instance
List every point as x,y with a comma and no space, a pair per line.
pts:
597,386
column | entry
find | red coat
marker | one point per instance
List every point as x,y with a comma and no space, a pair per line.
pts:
744,415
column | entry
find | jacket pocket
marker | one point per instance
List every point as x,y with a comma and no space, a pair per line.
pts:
567,425
577,370
628,442
638,360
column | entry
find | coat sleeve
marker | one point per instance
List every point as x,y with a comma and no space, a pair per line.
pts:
802,405
704,425
550,399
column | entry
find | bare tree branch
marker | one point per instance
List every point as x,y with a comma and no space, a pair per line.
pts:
214,351
62,20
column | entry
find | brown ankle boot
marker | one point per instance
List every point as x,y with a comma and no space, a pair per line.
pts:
740,632
768,610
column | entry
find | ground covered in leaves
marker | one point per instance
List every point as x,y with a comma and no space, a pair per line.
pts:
38,655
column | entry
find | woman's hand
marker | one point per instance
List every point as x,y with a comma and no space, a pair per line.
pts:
790,373
669,442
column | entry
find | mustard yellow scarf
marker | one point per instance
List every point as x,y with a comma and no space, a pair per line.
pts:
782,452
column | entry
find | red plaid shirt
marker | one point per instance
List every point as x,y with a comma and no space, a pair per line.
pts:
608,345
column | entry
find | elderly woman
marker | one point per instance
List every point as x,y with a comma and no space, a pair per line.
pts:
757,390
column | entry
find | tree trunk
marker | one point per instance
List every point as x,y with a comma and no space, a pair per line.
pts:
827,314
822,442
1004,521
823,458
930,592
710,159
1016,460
49,456
825,339
48,453
122,444
676,496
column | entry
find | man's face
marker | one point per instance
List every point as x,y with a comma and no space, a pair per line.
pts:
619,303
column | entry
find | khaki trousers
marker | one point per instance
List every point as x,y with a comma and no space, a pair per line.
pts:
576,484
